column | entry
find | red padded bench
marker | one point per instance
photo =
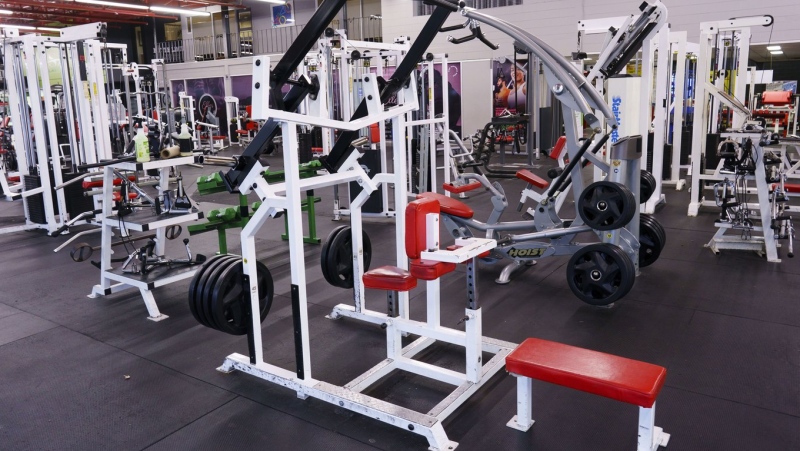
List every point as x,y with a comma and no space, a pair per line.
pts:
614,377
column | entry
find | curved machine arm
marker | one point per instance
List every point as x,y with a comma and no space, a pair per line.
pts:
566,82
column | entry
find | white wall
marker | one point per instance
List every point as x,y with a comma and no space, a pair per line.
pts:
475,75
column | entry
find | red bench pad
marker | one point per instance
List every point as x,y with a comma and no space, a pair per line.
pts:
389,278
594,372
461,188
532,178
430,269
449,206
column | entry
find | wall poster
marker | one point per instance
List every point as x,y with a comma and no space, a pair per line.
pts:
283,15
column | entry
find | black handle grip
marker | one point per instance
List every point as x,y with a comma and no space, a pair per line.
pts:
56,233
453,28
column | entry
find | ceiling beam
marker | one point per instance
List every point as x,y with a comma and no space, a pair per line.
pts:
96,16
79,7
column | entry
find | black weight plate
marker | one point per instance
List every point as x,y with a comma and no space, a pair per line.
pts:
81,252
601,273
652,239
230,299
197,281
339,258
326,246
606,205
647,186
206,289
197,293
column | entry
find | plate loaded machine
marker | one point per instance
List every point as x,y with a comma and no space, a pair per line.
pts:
724,50
228,310
633,98
49,149
599,273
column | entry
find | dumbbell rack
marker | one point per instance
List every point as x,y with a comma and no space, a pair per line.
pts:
113,280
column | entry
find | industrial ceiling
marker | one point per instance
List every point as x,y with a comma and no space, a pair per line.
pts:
56,13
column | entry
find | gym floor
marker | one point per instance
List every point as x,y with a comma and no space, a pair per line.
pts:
80,373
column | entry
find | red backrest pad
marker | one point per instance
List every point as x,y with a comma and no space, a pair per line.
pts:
416,212
778,98
595,372
558,148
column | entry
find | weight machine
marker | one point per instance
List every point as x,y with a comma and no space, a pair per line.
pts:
38,139
723,55
633,99
607,207
239,314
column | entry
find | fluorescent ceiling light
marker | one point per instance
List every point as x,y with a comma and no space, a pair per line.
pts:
19,27
49,29
185,12
6,12
777,52
115,4
276,2
773,47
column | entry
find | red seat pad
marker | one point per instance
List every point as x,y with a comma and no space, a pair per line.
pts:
449,205
389,278
430,269
595,372
532,178
461,188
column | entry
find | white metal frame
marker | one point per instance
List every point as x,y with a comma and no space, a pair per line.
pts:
680,49
762,239
705,109
288,196
431,123
26,74
348,98
112,281
650,436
